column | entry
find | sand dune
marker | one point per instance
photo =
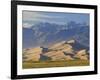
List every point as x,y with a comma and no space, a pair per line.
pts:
71,41
33,54
58,51
82,54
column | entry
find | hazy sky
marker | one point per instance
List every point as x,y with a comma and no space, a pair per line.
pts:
32,17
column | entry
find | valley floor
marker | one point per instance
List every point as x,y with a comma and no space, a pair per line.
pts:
46,64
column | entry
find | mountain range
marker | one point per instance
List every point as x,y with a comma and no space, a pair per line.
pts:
46,34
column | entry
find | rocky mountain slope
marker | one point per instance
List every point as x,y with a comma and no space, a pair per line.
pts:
46,34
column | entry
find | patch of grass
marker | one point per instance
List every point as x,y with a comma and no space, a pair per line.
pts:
46,64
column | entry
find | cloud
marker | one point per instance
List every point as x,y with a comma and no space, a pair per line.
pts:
27,25
33,15
30,15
